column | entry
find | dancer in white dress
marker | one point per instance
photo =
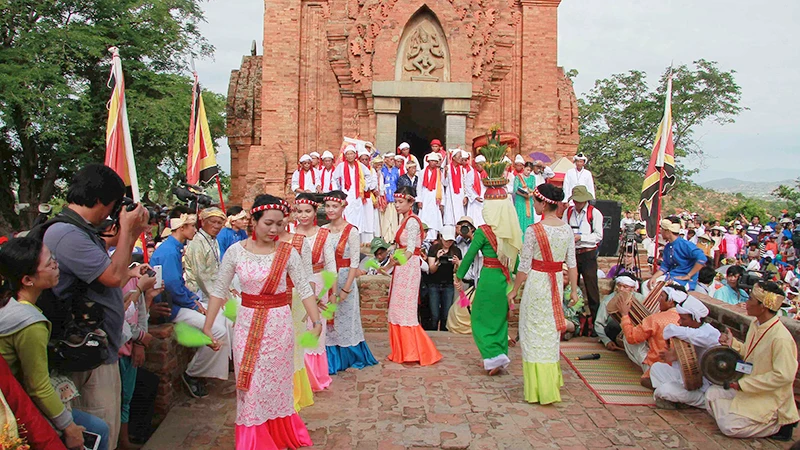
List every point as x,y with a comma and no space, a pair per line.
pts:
547,246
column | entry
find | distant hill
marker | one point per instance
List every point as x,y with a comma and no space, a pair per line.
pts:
759,190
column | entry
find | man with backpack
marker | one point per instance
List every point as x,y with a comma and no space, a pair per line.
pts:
587,226
91,280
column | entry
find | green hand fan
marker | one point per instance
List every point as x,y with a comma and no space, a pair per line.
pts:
328,280
189,336
400,257
372,264
231,308
308,340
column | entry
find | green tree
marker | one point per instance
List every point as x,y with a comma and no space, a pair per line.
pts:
53,90
790,194
620,115
748,209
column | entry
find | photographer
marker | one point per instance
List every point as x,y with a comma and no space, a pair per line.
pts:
731,292
443,259
95,193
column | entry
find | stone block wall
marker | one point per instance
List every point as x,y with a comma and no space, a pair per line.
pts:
168,360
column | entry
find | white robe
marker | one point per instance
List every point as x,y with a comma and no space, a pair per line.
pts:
474,207
574,178
311,180
454,201
430,214
326,179
355,211
668,379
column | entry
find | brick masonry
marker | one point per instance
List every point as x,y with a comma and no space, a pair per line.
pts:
314,82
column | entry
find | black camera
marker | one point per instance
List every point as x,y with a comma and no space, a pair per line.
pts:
464,230
749,279
445,259
194,196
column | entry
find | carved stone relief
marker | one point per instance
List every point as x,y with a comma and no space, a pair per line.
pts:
424,54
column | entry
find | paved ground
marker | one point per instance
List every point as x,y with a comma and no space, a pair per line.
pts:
452,405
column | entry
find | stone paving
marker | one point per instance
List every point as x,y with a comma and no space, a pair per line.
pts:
452,405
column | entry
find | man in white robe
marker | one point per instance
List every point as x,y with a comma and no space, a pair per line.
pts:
667,376
455,191
326,172
475,192
430,192
353,178
579,176
304,179
316,163
404,150
367,228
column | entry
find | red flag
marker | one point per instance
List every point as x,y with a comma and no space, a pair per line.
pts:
119,150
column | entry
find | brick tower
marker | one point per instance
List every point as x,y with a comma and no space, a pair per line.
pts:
390,71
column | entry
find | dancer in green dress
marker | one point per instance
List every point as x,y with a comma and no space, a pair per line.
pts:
523,202
499,240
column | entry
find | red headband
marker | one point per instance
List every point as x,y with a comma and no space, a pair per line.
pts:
276,206
335,199
541,197
305,201
405,196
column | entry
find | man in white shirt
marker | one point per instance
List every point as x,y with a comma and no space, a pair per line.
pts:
475,191
541,172
316,164
587,225
354,179
667,376
430,192
579,176
455,190
304,179
326,172
404,150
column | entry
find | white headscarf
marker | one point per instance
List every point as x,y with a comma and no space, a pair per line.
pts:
694,307
675,295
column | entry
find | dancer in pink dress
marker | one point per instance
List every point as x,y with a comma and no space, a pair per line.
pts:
263,340
322,258
408,341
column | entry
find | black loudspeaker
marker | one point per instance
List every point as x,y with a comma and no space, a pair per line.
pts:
612,214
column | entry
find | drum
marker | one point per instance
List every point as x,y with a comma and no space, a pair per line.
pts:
690,366
637,312
651,301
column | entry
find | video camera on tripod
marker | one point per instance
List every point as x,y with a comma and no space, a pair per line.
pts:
194,196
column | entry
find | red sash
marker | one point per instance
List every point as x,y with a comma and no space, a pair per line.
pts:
494,263
303,178
403,227
262,303
319,246
550,267
341,261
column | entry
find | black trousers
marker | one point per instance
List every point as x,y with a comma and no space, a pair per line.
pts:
587,268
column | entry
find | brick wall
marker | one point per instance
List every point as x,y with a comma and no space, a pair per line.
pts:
168,360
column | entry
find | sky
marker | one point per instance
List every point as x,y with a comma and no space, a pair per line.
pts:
601,38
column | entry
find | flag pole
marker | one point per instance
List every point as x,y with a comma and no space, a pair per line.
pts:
219,189
658,216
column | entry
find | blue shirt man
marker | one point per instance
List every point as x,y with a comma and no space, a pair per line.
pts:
681,259
390,176
169,256
234,230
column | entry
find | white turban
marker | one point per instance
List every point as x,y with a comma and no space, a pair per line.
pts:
401,157
350,148
389,155
506,159
519,159
627,281
404,145
433,155
579,157
363,152
314,155
327,155
480,159
465,154
675,295
454,151
694,307
305,158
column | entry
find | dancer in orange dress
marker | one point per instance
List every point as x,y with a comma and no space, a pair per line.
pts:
409,342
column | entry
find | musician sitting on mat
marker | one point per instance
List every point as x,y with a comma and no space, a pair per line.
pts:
667,377
762,403
609,330
651,330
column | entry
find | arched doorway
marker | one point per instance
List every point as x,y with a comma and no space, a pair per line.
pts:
420,120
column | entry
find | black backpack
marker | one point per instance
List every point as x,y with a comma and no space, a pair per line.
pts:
77,340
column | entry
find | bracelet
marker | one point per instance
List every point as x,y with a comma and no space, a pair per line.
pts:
346,292
317,322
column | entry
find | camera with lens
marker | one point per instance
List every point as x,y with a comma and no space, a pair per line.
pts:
445,259
750,279
194,196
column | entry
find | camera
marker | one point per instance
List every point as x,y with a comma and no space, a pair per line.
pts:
445,259
194,196
750,279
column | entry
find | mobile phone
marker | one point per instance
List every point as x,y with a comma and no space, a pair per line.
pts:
159,280
91,441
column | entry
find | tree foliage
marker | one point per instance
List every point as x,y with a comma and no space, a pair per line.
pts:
619,118
747,208
54,89
790,194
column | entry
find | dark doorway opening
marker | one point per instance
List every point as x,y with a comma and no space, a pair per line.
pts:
420,121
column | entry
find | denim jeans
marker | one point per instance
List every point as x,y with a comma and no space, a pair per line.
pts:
440,297
93,425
